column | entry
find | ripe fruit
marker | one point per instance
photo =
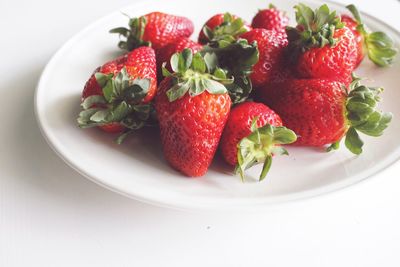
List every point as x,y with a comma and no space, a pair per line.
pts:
117,95
252,135
271,46
156,29
192,108
359,38
321,112
270,19
165,53
223,28
321,46
379,46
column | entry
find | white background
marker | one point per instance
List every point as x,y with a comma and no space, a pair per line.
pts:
52,216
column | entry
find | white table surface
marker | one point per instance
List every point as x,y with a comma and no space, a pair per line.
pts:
52,216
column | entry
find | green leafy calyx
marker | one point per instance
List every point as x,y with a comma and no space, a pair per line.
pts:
227,32
261,145
315,28
362,115
379,46
237,59
121,102
132,37
195,74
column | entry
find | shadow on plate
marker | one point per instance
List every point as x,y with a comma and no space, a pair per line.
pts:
143,145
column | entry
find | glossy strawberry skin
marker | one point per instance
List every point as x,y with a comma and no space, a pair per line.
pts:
140,63
352,25
270,19
313,108
212,23
162,29
329,62
191,128
239,123
164,54
271,46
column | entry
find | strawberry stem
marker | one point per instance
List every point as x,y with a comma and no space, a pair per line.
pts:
380,47
226,33
132,36
334,146
238,60
260,145
363,116
315,28
195,74
266,167
121,102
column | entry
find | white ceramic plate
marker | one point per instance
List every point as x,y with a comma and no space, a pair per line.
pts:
138,170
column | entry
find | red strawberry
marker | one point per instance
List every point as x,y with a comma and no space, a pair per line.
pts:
112,127
379,47
271,46
352,25
282,73
321,112
156,29
252,135
192,109
321,47
223,27
117,95
165,53
270,19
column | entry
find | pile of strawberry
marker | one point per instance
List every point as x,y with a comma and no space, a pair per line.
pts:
247,89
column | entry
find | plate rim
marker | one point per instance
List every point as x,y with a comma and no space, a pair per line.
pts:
198,205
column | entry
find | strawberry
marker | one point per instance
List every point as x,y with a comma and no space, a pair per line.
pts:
321,111
223,28
321,46
359,38
192,108
117,96
271,46
252,135
270,19
378,45
156,29
282,73
112,127
165,53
